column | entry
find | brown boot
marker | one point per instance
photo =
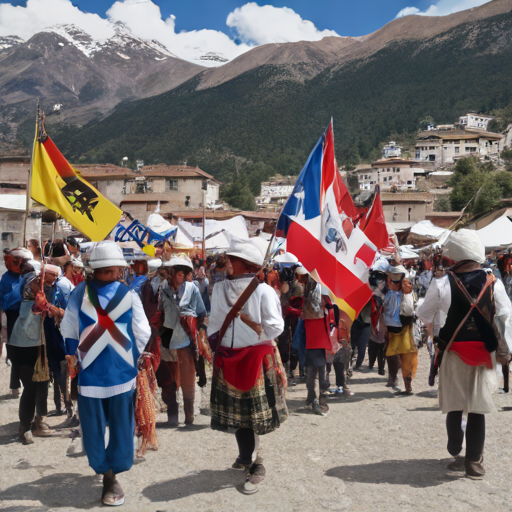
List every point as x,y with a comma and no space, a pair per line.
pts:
408,386
475,470
188,406
112,494
25,435
40,428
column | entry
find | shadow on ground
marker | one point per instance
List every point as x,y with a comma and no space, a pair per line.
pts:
200,482
9,432
424,409
58,490
414,472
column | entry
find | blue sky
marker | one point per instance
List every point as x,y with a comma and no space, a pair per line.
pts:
190,28
346,17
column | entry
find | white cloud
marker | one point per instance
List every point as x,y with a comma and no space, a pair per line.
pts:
144,19
442,8
40,14
268,24
252,25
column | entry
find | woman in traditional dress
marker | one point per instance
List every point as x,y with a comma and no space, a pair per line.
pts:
462,306
248,381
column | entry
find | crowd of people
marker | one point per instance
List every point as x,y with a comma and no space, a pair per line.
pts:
83,327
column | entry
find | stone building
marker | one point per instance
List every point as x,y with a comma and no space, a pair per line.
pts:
390,173
445,147
407,206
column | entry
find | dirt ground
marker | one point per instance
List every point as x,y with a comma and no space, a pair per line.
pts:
374,451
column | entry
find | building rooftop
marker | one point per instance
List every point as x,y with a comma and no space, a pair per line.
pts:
460,134
175,171
393,161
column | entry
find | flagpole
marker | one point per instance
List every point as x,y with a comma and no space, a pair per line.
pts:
29,181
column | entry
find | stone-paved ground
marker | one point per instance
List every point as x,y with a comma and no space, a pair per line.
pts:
375,451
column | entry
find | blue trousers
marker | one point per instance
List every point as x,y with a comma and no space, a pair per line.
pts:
118,412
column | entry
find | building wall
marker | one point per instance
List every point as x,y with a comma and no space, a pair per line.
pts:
387,177
405,212
448,151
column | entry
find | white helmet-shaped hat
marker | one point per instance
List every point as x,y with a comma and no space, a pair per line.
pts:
301,271
154,264
245,250
183,261
21,252
107,254
464,245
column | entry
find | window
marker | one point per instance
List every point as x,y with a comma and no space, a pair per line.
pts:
409,215
431,148
457,151
470,150
431,158
172,184
456,141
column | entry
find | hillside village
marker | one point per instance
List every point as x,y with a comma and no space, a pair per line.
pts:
411,188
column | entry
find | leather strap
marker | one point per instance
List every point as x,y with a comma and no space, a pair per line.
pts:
474,303
237,307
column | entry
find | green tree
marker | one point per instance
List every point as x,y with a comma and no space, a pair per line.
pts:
506,155
239,195
443,204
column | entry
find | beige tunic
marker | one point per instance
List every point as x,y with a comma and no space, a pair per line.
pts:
466,388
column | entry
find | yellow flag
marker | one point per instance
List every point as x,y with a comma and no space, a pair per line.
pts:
56,185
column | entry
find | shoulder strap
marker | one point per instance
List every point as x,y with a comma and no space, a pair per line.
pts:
239,304
474,303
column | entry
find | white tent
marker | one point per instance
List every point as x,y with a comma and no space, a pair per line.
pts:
218,231
497,234
425,228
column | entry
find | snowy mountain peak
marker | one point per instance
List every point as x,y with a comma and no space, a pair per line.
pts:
123,40
8,41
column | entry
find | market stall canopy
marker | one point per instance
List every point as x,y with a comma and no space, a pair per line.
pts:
217,232
424,233
497,234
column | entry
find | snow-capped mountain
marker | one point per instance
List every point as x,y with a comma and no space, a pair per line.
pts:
122,39
64,65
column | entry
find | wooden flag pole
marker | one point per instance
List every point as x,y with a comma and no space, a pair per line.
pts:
28,203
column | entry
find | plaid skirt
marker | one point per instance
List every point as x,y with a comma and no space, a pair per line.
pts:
262,408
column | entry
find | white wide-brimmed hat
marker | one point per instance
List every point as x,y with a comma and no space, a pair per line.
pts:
36,265
464,245
301,271
246,250
21,252
107,254
154,264
396,273
287,257
182,261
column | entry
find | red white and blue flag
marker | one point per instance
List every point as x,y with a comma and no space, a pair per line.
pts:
318,224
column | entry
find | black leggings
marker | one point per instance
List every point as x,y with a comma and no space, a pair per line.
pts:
246,440
475,435
33,400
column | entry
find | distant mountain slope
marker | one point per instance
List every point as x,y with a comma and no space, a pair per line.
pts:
267,116
64,65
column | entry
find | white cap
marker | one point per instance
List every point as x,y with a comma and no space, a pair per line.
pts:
464,245
36,265
77,263
21,252
287,257
245,250
179,260
154,264
301,271
52,268
107,254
